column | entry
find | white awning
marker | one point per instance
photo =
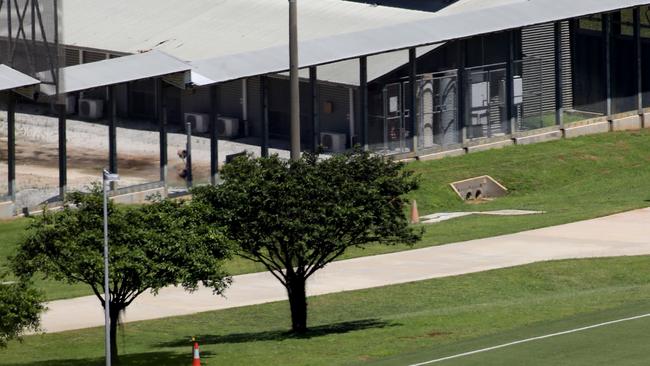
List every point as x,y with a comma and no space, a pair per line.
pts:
117,71
433,30
13,79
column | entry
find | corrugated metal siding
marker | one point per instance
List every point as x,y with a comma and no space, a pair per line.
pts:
254,106
339,120
230,99
90,56
72,57
539,41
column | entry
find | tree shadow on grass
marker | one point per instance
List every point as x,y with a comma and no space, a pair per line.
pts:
317,331
136,359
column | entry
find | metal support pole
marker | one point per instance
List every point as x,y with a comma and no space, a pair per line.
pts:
112,133
63,151
607,34
264,100
363,93
188,158
214,134
294,80
162,131
460,83
638,57
315,108
412,102
510,85
559,79
11,145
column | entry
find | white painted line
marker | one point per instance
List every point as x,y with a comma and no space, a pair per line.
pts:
530,340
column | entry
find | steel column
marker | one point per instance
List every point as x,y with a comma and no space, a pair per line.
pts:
214,134
607,34
363,93
11,145
315,108
638,57
412,102
510,87
559,79
460,86
264,100
112,133
63,151
162,132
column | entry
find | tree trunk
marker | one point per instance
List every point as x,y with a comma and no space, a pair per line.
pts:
298,304
114,315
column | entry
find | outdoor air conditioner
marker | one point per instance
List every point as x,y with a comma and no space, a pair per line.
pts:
228,127
200,122
91,108
334,142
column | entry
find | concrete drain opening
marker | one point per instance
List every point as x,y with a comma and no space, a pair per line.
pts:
479,188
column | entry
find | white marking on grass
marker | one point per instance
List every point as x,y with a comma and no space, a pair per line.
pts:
530,340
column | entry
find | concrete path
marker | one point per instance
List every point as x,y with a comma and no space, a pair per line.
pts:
618,235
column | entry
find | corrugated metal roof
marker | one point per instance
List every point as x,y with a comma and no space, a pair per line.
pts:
435,29
115,71
12,79
199,29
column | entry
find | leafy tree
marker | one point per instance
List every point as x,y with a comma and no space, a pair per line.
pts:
151,246
20,308
295,217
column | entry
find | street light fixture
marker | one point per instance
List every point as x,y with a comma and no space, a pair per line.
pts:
108,177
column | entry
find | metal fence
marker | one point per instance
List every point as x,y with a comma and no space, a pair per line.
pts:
437,98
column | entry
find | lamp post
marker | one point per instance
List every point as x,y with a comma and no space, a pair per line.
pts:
107,179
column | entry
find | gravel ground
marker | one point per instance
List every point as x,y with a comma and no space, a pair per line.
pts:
87,145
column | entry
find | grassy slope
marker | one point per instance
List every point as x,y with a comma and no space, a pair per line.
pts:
572,180
441,317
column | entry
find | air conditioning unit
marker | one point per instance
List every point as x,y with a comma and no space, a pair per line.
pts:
228,127
91,108
333,142
200,122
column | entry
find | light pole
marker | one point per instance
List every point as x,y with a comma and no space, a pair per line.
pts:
293,80
107,179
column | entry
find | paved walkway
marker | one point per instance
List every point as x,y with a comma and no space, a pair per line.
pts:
617,235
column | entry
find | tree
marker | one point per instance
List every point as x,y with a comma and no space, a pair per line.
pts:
295,217
20,309
151,246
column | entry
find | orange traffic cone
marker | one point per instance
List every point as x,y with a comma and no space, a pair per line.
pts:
197,359
415,215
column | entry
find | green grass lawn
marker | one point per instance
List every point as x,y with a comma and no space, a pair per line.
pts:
398,325
571,180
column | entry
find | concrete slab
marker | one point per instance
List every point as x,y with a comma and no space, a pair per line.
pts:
618,235
590,129
443,154
490,146
646,120
533,139
137,197
627,123
7,210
